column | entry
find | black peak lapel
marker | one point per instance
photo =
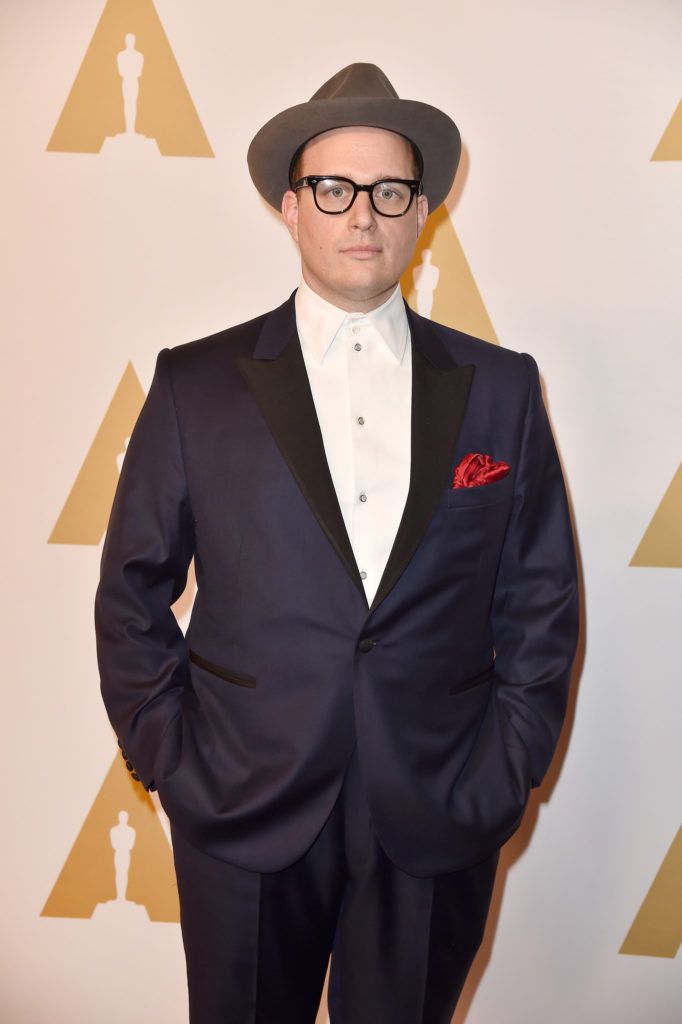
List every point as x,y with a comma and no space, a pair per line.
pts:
440,392
279,383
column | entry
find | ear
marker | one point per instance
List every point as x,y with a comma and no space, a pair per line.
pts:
422,213
290,213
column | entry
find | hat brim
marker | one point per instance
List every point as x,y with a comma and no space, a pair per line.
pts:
433,132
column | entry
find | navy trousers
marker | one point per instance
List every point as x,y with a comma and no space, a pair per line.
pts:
257,945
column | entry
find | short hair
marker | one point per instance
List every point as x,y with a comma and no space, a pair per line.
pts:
296,160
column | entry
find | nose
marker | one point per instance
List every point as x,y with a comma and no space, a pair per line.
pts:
362,214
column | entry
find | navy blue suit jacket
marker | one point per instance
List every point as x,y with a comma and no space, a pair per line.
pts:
453,683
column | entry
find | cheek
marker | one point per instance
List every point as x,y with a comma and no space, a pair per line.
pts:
311,241
402,244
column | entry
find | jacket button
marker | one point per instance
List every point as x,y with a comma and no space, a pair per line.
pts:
366,645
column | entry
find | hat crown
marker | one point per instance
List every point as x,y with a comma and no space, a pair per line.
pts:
360,95
357,80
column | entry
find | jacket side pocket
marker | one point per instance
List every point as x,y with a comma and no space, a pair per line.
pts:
224,673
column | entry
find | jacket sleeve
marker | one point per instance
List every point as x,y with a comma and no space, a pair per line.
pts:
535,608
149,544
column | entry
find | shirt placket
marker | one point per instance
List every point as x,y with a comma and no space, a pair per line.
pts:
361,367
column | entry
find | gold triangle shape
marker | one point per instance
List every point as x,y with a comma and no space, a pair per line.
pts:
657,928
670,146
87,882
85,515
661,545
94,109
439,284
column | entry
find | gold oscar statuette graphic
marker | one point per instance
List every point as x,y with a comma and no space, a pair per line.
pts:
670,146
129,93
85,515
439,284
661,545
657,928
121,864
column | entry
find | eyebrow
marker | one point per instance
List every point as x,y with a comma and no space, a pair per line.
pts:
389,176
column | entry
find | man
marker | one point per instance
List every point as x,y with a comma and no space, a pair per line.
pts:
376,667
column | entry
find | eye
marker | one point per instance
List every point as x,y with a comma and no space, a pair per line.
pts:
334,189
391,194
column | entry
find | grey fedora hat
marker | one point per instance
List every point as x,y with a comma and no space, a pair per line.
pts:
359,94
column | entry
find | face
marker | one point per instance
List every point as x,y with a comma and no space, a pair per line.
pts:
354,259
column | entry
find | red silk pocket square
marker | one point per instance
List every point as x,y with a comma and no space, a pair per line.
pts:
475,469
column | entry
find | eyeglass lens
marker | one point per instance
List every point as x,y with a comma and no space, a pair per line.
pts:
390,198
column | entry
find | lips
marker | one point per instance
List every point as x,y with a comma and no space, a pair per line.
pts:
362,252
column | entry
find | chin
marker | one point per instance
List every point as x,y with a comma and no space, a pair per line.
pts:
365,287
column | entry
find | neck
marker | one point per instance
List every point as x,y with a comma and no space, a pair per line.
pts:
349,303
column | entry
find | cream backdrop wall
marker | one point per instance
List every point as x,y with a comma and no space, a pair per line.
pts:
563,239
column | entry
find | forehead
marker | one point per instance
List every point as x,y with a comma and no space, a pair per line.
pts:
357,149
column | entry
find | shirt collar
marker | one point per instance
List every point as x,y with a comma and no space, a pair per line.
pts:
319,322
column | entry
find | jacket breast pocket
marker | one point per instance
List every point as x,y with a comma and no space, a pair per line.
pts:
480,496
219,670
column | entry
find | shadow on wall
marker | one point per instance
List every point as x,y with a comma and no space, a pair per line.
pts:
439,282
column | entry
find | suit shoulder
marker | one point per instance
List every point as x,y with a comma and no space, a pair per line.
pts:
469,348
217,348
486,356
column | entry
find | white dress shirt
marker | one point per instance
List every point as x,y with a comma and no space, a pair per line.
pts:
360,371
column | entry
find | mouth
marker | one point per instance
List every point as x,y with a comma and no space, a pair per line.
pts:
362,252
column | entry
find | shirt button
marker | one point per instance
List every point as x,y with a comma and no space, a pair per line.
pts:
357,346
361,420
363,496
363,575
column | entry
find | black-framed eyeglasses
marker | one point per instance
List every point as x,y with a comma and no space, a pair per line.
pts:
390,197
